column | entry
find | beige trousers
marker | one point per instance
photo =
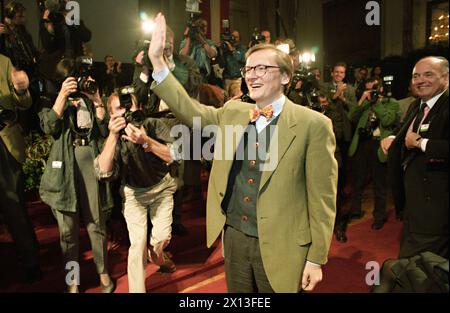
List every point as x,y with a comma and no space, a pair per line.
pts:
158,202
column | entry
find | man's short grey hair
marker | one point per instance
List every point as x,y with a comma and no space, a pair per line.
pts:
443,63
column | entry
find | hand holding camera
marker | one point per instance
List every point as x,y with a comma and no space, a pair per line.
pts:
135,135
68,87
116,124
366,95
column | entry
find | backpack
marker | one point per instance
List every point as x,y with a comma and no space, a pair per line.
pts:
423,273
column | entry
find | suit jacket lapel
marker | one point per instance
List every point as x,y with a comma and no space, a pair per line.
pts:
443,99
227,157
280,142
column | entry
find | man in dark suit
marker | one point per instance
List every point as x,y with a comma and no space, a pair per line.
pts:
418,159
14,96
276,213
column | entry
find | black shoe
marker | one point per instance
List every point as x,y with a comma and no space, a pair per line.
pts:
341,236
179,230
33,274
355,216
378,224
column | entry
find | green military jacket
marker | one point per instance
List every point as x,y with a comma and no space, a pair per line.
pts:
12,134
57,187
387,111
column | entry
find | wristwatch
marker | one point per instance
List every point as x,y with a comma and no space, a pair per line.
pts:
145,145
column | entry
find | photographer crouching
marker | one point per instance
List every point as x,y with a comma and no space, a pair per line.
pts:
69,186
144,165
376,117
231,58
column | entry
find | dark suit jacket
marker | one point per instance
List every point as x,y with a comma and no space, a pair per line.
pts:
422,187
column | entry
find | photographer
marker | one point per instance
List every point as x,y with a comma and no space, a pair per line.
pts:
142,160
24,56
338,117
199,48
188,74
182,67
15,96
376,117
58,39
78,126
231,58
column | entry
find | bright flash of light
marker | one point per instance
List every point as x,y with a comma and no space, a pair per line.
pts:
284,48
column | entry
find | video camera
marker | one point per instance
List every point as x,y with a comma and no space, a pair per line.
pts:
56,9
309,88
6,117
137,117
81,72
257,38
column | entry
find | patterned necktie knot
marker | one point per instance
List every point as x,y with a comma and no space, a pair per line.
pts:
255,113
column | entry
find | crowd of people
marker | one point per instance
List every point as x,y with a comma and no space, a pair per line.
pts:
111,136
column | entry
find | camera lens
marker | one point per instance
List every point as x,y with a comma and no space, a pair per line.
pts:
88,86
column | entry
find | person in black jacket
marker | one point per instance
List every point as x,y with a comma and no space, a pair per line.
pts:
418,159
19,47
59,41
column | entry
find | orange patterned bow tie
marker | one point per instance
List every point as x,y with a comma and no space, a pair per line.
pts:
267,111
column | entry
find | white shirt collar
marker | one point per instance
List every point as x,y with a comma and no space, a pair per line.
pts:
433,100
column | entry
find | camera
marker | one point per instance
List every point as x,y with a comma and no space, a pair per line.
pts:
194,29
226,35
372,124
257,38
82,71
6,117
55,8
387,80
137,117
308,90
374,93
142,45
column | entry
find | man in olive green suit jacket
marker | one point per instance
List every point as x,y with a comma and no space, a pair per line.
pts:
14,96
294,198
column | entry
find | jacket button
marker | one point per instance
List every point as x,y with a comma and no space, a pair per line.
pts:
246,199
244,218
221,194
252,163
257,145
251,181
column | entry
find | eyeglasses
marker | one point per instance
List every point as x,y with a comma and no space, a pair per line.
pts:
260,70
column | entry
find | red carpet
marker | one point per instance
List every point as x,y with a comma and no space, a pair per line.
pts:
346,270
198,269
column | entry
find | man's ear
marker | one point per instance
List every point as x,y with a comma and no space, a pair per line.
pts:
285,79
